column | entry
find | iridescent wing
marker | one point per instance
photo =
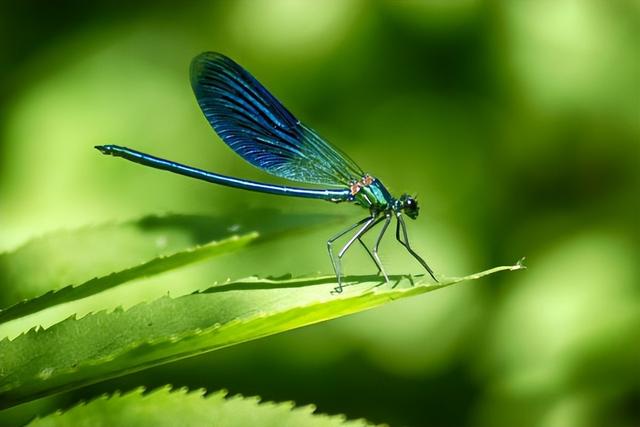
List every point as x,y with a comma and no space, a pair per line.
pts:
261,130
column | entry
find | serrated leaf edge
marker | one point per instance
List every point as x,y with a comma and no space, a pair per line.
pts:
5,314
202,393
392,294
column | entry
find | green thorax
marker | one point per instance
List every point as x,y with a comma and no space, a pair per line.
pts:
372,194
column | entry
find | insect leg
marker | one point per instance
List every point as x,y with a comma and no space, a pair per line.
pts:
370,222
377,245
336,263
405,243
373,257
370,255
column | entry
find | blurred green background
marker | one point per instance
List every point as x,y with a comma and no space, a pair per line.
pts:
516,123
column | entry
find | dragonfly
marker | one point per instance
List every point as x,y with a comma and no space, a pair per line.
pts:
254,124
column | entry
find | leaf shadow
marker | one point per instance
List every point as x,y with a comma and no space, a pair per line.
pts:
201,229
285,282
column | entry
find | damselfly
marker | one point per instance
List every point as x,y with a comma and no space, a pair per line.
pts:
263,132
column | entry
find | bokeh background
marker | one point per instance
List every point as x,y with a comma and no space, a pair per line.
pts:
516,123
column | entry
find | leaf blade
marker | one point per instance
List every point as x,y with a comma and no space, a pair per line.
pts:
78,352
163,406
99,284
62,266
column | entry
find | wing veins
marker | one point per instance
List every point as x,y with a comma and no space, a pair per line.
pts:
261,130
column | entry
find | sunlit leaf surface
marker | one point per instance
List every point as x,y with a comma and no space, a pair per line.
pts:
162,407
82,351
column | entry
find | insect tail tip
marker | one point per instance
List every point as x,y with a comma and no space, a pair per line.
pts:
104,149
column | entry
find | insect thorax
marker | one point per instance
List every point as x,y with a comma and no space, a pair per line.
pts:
369,192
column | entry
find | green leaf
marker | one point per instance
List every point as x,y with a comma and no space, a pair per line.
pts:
162,407
93,259
100,284
77,352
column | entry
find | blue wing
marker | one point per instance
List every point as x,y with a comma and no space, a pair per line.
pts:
260,129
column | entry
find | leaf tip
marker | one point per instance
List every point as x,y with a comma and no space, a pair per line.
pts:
519,265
